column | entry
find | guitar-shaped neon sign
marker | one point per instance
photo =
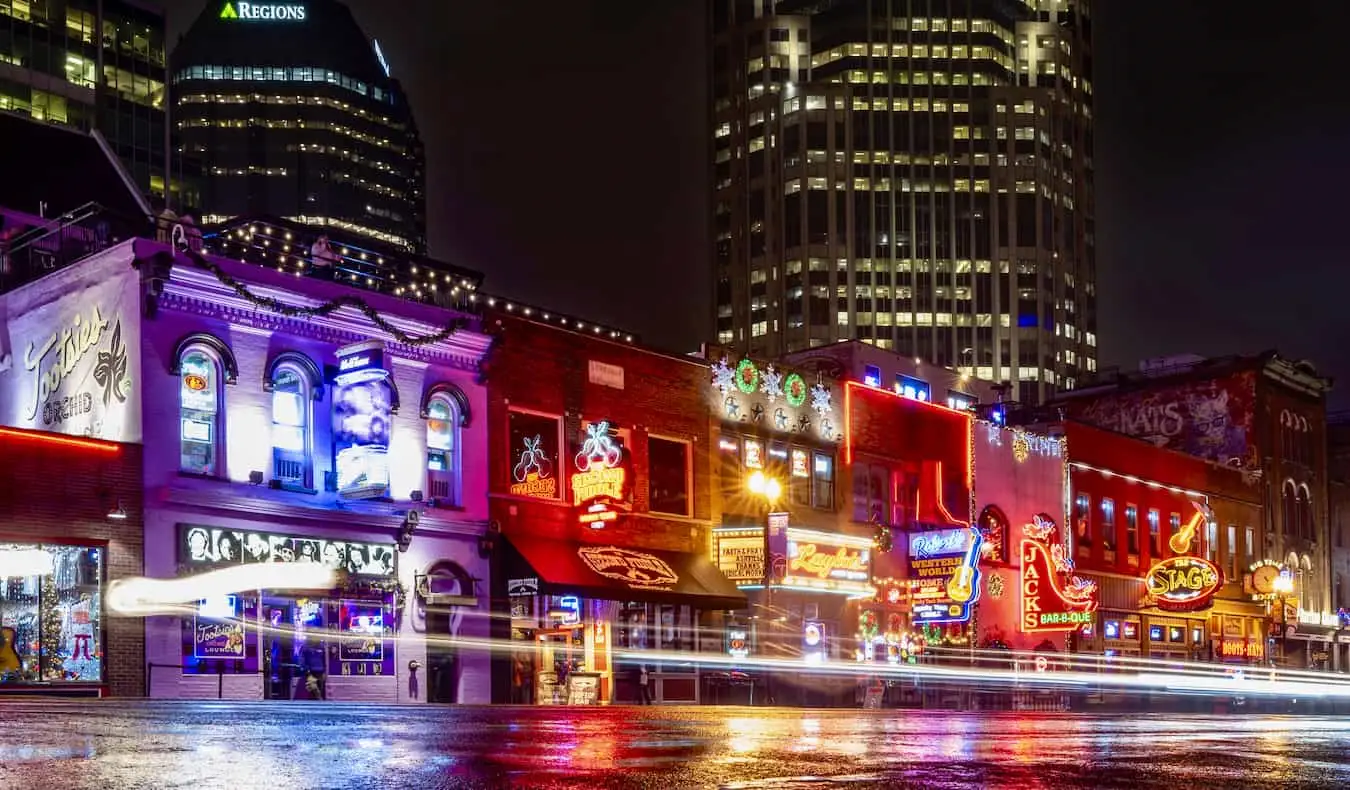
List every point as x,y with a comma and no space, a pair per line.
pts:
964,586
1180,543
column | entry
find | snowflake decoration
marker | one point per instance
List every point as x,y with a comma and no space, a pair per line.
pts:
723,377
771,384
996,586
820,399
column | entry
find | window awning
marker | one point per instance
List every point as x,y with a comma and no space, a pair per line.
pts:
615,573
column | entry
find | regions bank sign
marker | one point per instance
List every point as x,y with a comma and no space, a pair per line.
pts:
264,12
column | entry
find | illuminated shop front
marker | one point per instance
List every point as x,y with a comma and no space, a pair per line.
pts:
592,603
51,615
810,590
346,632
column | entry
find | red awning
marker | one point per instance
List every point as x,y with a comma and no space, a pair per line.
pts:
618,573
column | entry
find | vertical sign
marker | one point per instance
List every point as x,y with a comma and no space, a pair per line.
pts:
363,404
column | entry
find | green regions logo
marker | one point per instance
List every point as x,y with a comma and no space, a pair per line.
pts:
263,12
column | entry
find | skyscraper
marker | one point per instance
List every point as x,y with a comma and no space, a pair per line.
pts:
94,65
916,175
292,113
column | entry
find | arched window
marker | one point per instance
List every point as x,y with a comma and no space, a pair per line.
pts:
1289,508
199,405
294,381
1305,512
993,526
442,416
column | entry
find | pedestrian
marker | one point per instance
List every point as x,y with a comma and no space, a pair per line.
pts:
315,672
644,686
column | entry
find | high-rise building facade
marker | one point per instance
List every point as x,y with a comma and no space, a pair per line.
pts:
95,65
917,175
292,113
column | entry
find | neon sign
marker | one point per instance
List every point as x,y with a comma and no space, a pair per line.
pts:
600,479
1053,599
822,561
638,570
944,579
533,472
1183,584
264,12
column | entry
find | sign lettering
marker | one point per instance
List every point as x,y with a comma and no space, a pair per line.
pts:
741,557
821,561
264,12
843,563
601,477
635,568
1052,597
1183,584
60,355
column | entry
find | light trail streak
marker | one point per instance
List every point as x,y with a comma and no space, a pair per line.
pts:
983,667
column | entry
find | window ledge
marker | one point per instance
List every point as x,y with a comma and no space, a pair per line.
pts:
200,476
298,488
446,506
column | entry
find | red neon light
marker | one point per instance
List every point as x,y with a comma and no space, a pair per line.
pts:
934,482
1045,604
848,421
56,438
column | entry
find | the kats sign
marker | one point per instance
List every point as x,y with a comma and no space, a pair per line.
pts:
1052,598
1183,584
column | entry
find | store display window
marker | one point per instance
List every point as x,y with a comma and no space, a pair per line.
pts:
51,614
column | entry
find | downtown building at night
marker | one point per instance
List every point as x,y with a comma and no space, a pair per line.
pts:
915,176
272,434
94,65
291,112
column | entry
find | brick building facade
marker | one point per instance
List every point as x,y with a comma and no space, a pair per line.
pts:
74,492
601,489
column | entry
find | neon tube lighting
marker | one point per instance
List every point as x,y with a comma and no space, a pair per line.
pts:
55,438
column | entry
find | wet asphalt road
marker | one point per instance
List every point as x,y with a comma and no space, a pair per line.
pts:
66,746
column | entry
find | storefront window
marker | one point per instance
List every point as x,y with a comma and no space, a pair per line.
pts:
533,455
51,607
668,472
198,400
1108,524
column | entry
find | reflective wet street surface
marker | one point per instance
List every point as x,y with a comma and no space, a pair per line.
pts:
71,745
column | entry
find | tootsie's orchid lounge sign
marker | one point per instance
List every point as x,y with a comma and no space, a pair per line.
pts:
70,358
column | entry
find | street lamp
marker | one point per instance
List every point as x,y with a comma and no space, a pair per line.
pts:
1283,586
761,484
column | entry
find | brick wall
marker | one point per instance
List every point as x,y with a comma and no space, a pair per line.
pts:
53,491
545,369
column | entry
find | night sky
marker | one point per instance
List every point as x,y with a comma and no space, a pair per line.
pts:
567,150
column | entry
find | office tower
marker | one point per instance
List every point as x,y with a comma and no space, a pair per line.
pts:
916,175
292,113
94,65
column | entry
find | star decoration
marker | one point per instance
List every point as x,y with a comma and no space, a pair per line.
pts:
733,408
820,399
826,429
803,424
771,384
780,419
757,413
723,377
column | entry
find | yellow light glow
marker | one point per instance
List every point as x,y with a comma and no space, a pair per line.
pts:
765,486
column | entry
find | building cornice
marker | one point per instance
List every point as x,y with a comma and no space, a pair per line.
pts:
196,292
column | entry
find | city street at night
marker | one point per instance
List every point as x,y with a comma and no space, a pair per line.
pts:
301,745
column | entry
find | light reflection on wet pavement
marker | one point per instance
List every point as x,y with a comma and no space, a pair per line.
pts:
307,745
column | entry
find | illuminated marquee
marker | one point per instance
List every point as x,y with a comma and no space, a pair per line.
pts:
823,561
1183,584
601,477
1052,599
264,12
